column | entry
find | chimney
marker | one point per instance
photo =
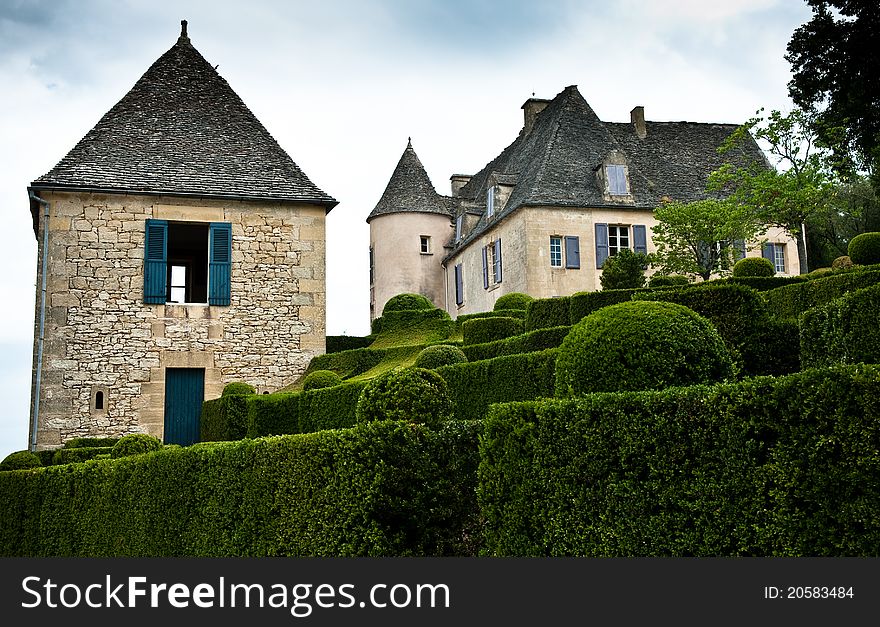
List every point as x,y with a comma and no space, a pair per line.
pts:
637,117
459,181
531,108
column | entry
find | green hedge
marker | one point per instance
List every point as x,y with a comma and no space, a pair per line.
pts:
224,419
303,412
764,283
846,330
790,301
482,330
584,303
392,320
380,489
543,313
90,442
339,343
499,313
530,342
348,363
473,386
78,454
770,466
864,248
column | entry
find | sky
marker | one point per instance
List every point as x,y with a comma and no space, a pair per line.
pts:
343,84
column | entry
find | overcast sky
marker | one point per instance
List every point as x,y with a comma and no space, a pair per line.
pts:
342,84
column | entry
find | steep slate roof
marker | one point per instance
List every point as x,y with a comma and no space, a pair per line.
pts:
555,164
410,190
182,130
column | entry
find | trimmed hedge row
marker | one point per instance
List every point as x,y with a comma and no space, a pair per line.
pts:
582,304
475,385
392,320
482,330
303,412
224,419
790,301
763,283
530,342
78,454
348,363
544,313
846,330
766,467
498,313
90,442
339,343
379,489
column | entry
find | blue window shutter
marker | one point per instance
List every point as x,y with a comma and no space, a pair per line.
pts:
767,252
219,263
459,291
572,252
601,244
739,247
497,268
640,239
485,268
155,261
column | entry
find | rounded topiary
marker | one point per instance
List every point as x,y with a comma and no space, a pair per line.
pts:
513,300
407,302
20,460
668,280
753,266
624,271
318,379
135,444
413,394
640,345
842,263
238,388
440,355
864,249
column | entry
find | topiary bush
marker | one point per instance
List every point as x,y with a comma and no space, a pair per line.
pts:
318,379
20,460
439,355
864,249
407,302
413,394
668,280
513,300
135,444
624,271
841,263
482,330
753,267
640,345
238,388
543,313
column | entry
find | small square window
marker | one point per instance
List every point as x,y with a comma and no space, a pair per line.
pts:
616,175
425,244
618,238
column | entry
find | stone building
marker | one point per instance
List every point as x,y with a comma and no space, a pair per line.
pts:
542,217
179,248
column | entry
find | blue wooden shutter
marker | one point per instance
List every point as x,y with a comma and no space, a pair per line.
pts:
497,268
459,291
485,268
155,261
767,252
601,244
640,239
219,263
572,252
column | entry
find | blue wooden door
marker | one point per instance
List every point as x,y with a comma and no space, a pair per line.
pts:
184,395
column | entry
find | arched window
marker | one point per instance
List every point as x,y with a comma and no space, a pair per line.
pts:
99,400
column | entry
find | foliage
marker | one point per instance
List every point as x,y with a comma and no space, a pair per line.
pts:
223,418
842,263
543,313
765,283
416,395
702,237
438,355
833,72
513,300
318,379
842,331
481,330
753,267
339,343
640,345
407,302
667,280
789,301
20,460
528,342
772,466
90,442
399,328
625,270
495,313
379,489
865,248
348,363
854,209
302,412
80,454
582,304
238,387
135,444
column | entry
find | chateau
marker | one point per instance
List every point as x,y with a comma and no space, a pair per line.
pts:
179,248
542,217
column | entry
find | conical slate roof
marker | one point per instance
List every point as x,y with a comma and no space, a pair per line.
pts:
183,131
410,190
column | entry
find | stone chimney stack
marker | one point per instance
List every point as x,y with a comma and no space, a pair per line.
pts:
637,117
458,181
531,108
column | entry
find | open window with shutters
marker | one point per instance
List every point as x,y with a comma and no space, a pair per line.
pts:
187,262
612,238
492,264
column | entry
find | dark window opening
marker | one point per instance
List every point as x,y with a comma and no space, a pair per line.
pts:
187,277
99,400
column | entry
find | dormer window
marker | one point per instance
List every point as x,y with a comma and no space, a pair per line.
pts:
458,223
616,177
490,202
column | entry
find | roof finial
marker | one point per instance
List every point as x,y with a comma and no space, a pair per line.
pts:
409,142
183,34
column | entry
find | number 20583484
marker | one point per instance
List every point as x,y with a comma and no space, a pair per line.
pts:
808,592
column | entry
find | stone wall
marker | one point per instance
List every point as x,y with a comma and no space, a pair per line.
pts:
101,336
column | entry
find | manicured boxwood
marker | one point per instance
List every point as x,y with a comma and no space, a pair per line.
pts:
317,379
668,280
238,388
770,466
789,301
473,386
753,267
407,302
338,343
543,313
46,456
529,342
496,313
513,300
439,355
640,345
401,319
846,330
20,460
379,489
90,442
844,262
348,363
864,248
582,304
303,412
764,283
79,454
482,330
415,395
135,444
224,418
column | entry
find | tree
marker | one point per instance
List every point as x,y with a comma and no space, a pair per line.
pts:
790,194
625,270
701,237
854,208
835,73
